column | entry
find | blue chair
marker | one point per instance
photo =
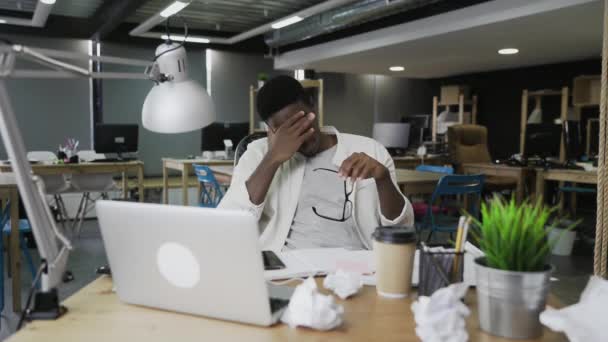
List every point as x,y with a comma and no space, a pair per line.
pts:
24,228
420,208
436,169
211,191
470,186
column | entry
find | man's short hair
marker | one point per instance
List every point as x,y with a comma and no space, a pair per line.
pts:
278,93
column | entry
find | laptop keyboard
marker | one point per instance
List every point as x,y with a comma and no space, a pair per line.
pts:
277,304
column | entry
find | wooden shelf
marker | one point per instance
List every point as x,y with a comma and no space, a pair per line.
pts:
545,92
466,102
586,91
461,117
526,95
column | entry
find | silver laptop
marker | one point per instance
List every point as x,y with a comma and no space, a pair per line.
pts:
187,259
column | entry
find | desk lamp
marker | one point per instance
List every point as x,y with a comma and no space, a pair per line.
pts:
175,104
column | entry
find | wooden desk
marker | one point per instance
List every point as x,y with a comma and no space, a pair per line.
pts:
520,174
414,182
9,191
95,314
124,168
185,167
563,175
411,162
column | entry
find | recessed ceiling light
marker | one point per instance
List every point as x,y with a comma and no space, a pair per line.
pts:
173,8
2,21
508,51
48,2
286,22
396,68
188,39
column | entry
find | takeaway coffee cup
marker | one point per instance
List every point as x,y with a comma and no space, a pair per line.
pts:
394,251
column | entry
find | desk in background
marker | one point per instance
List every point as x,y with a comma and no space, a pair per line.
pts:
520,174
96,314
413,182
563,175
123,168
411,162
9,191
185,167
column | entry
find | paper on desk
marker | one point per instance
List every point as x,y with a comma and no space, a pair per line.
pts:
306,262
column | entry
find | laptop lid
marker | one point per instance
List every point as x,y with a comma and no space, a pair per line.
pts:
186,259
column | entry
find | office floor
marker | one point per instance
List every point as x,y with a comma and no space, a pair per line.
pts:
572,273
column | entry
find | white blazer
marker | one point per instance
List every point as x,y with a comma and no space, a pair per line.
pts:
276,213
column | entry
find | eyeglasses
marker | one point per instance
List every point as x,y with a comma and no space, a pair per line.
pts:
348,205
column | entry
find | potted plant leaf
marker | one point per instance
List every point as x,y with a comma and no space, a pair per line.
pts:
514,276
262,78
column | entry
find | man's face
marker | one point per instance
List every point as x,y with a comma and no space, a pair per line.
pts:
311,146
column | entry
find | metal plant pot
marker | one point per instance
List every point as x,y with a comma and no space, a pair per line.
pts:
509,302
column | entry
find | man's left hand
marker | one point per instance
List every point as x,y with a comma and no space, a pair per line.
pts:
362,166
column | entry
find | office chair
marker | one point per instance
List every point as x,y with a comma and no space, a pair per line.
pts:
469,144
420,208
242,146
211,191
469,186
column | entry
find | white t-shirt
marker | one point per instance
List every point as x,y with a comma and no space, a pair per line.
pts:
323,190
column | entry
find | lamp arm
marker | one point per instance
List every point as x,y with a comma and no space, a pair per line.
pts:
43,226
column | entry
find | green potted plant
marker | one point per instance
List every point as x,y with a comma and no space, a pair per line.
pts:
262,78
514,276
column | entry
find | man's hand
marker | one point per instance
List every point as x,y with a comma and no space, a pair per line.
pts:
288,138
362,166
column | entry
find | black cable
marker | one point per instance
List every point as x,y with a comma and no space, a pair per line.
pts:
169,38
31,294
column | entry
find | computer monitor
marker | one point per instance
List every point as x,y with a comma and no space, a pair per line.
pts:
572,140
542,140
419,127
213,136
116,138
394,136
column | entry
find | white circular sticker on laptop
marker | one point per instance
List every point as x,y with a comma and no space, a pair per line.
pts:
178,265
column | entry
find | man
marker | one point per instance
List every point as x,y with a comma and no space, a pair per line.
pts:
311,187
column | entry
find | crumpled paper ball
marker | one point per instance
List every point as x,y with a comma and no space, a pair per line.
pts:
441,317
586,320
343,284
308,308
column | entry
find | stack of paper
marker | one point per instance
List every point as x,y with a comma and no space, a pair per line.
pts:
307,262
302,263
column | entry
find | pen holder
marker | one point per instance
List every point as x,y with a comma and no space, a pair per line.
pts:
439,269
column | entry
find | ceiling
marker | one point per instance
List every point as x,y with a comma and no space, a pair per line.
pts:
226,15
68,8
465,41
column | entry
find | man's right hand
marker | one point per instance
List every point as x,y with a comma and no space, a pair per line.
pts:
288,138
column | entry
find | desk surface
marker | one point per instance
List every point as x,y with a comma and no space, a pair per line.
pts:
8,179
95,314
200,161
413,176
78,167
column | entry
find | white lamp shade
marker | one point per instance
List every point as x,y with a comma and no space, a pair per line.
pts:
177,107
